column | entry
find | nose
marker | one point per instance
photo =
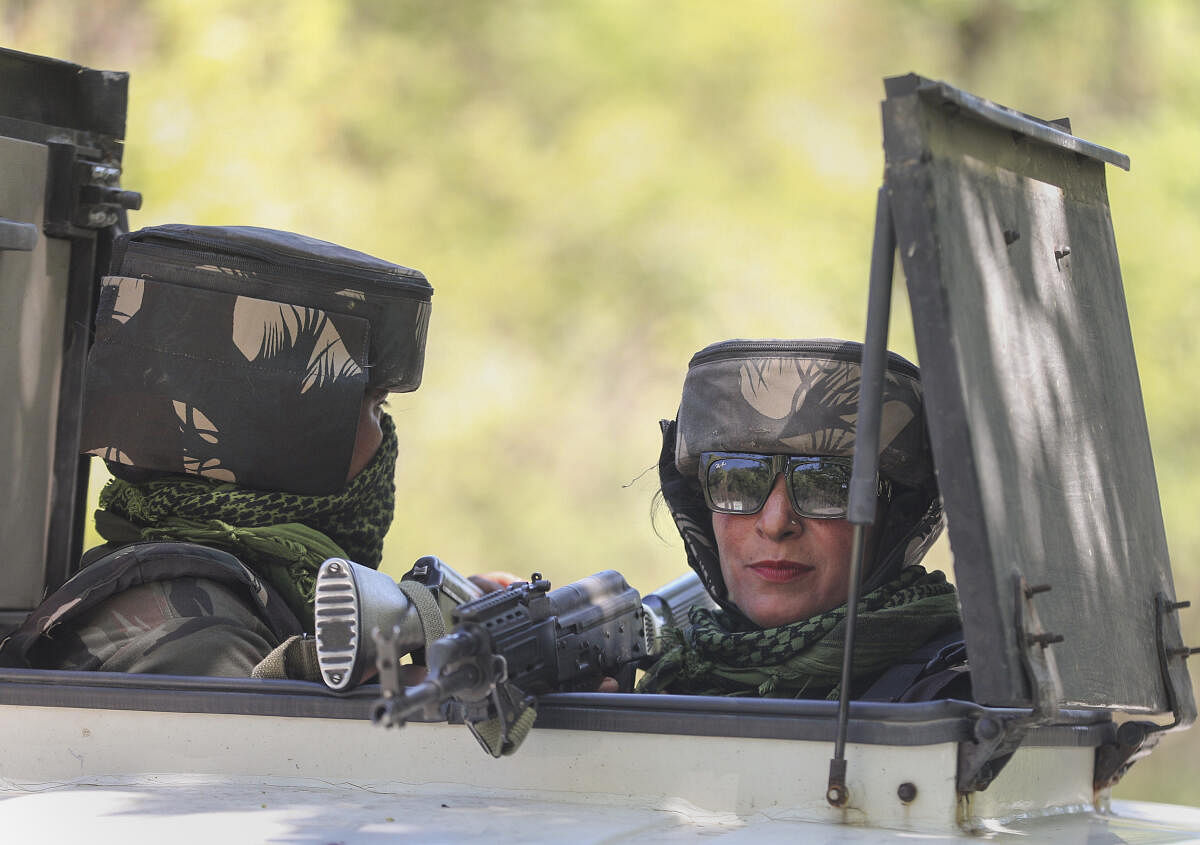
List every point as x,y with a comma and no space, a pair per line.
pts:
777,520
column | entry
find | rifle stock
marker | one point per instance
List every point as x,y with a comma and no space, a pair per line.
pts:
353,600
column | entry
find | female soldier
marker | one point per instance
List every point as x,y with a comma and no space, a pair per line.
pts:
755,471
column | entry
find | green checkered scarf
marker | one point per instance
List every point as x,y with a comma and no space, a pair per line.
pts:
284,537
804,659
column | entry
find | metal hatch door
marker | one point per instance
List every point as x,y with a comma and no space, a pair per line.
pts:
61,131
1035,407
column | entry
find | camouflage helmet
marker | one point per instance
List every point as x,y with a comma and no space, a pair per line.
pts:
243,354
798,397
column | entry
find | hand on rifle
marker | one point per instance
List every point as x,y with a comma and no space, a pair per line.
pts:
490,582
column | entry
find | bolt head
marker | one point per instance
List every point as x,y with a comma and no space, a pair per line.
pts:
986,729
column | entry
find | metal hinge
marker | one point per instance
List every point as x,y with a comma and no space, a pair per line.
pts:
1131,742
997,735
1136,739
83,194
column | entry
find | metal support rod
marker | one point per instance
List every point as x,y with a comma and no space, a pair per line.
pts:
856,557
864,478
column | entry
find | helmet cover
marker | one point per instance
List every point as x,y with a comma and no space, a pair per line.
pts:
798,397
243,355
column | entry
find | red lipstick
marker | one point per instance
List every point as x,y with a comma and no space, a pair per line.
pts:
779,571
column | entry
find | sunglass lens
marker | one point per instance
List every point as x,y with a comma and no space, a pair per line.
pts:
820,489
738,485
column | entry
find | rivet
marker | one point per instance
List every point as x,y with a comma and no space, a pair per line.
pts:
907,792
987,729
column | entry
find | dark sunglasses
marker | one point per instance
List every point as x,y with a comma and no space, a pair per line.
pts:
739,483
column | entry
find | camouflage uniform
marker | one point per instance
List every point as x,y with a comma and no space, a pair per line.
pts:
224,390
177,608
185,626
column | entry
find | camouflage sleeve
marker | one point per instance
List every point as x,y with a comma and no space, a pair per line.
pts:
181,626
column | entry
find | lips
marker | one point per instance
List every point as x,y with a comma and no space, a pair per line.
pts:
780,571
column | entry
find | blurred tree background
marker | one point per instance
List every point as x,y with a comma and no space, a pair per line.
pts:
597,190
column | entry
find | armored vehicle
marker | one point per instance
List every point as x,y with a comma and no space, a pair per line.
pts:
1072,623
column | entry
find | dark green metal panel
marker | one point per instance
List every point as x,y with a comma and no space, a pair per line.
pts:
1035,405
61,137
33,296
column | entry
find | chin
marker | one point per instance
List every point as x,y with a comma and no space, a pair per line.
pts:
768,619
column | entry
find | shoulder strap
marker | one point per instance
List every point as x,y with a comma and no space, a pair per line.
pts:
293,659
898,679
143,563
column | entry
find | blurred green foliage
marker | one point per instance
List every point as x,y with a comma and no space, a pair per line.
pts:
597,190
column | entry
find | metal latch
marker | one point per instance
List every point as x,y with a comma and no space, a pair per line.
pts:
1172,654
1045,687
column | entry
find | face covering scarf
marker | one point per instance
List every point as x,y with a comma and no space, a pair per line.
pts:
804,659
284,537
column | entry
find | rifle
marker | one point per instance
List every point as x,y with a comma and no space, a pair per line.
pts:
352,600
510,646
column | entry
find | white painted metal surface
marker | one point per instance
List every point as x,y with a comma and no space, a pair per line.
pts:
231,811
129,776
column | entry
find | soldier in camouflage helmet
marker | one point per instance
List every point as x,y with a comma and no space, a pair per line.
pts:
235,390
755,470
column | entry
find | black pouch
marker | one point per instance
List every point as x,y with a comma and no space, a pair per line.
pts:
242,354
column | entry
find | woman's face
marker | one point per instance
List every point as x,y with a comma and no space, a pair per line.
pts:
780,567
